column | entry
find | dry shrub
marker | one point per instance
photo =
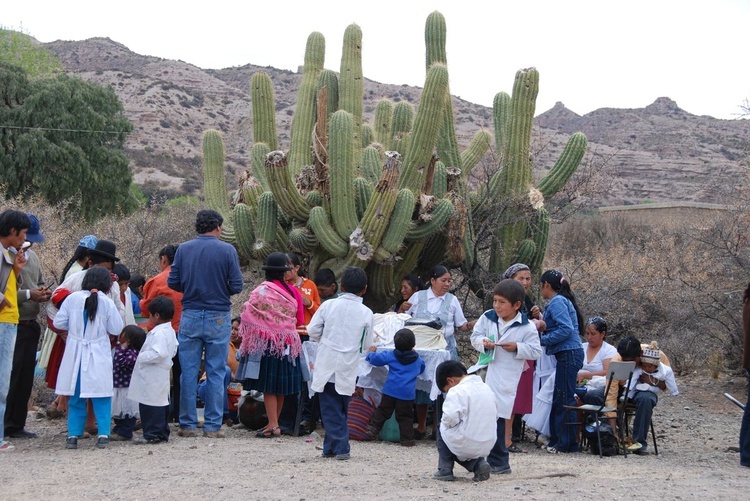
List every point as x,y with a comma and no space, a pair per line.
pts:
679,285
138,236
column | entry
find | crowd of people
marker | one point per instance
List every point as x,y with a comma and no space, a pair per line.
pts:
124,353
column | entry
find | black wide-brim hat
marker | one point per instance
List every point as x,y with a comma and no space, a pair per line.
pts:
277,261
105,248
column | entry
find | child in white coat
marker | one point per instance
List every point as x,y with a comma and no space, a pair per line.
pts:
90,318
149,385
507,336
467,424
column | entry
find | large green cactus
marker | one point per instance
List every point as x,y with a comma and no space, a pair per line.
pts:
343,197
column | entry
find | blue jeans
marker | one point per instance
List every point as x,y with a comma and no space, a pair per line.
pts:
209,331
333,411
499,456
7,347
745,431
563,438
202,389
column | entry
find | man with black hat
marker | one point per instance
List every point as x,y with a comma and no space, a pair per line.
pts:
207,272
31,293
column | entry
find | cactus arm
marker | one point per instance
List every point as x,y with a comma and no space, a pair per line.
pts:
319,223
341,175
258,154
243,226
433,222
372,167
426,129
329,81
362,195
475,152
214,181
401,127
304,116
393,238
284,191
383,118
565,166
351,85
264,110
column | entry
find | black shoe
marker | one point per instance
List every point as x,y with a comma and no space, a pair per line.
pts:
102,442
21,434
482,470
71,443
419,435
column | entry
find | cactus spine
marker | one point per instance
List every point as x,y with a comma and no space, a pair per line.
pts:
352,85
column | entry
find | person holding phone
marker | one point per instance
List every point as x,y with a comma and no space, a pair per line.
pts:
31,294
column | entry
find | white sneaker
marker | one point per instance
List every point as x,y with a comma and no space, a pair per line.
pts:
5,446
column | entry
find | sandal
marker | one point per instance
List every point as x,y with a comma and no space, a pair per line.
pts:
515,448
265,433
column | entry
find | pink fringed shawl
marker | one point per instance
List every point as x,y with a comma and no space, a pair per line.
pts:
269,321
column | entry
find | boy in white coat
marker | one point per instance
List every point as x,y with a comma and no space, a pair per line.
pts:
507,336
149,385
468,422
343,327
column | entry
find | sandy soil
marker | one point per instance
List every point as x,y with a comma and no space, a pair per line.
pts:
695,431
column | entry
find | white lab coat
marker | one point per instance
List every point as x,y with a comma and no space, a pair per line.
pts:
343,327
149,384
129,315
504,371
87,351
468,424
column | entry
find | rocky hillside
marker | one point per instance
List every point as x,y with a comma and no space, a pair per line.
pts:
657,153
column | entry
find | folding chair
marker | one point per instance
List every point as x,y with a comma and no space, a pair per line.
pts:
618,371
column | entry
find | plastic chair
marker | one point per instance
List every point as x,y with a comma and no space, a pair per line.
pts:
618,371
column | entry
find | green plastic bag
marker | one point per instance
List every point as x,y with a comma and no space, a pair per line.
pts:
390,431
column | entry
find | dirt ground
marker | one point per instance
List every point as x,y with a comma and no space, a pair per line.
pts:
695,431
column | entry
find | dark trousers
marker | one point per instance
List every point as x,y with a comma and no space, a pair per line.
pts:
124,426
174,414
499,456
446,458
155,421
644,401
334,409
404,416
745,431
562,437
22,376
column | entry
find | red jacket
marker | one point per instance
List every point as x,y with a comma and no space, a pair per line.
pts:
157,286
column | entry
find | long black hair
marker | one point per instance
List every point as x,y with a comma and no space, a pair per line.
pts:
96,279
278,275
561,285
80,253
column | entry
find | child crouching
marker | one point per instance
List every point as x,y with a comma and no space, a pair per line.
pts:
467,430
125,411
399,390
149,385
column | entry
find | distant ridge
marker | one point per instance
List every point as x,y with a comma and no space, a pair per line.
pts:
658,153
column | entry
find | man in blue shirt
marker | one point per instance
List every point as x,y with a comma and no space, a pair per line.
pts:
207,272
